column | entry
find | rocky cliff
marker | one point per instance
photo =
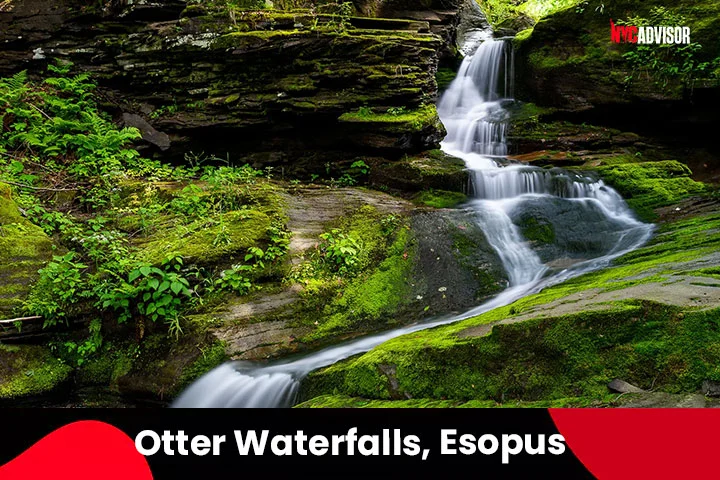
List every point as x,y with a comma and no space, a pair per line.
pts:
294,88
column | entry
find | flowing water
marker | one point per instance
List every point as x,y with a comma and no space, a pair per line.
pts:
473,112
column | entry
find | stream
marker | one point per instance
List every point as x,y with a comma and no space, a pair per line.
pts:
473,110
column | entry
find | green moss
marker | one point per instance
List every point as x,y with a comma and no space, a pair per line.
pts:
440,198
571,46
713,272
431,170
29,370
522,36
573,355
241,39
650,185
536,231
410,121
444,77
544,358
211,356
344,401
370,299
210,241
114,360
24,249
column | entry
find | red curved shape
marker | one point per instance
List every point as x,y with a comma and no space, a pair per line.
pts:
642,443
80,451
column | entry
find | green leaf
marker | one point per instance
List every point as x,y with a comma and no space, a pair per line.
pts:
176,287
145,271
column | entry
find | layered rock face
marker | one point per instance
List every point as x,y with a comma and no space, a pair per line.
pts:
267,87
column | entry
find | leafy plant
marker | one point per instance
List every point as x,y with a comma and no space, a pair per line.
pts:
235,279
157,294
59,121
60,288
666,61
190,202
339,250
351,176
74,353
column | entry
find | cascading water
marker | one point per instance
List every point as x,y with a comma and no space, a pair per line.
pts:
473,113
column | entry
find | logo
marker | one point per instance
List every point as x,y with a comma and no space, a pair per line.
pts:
649,35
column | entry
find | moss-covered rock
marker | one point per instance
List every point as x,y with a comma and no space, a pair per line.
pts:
210,241
430,170
637,321
395,129
440,198
569,61
24,249
649,185
29,371
162,366
344,401
575,355
266,85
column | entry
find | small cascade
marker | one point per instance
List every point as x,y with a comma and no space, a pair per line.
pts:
473,112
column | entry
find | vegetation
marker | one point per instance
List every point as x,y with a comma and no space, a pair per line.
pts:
548,357
649,185
116,267
136,241
412,120
667,61
357,276
499,11
440,198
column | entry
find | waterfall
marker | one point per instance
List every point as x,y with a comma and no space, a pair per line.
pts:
473,112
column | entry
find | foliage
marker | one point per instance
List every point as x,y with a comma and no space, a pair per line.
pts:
59,290
76,354
351,176
157,294
57,125
340,14
235,279
339,250
667,61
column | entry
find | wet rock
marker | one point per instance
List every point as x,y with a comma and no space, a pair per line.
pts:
456,267
711,388
565,229
621,386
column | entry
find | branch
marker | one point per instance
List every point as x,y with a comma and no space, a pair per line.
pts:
43,113
39,188
20,319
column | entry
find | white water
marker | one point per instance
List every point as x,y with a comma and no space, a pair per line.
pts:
472,111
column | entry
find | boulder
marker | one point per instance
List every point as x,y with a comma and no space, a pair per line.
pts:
621,386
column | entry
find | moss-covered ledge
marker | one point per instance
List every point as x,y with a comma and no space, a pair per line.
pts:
24,249
30,371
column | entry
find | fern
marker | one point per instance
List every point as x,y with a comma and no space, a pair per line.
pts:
59,120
